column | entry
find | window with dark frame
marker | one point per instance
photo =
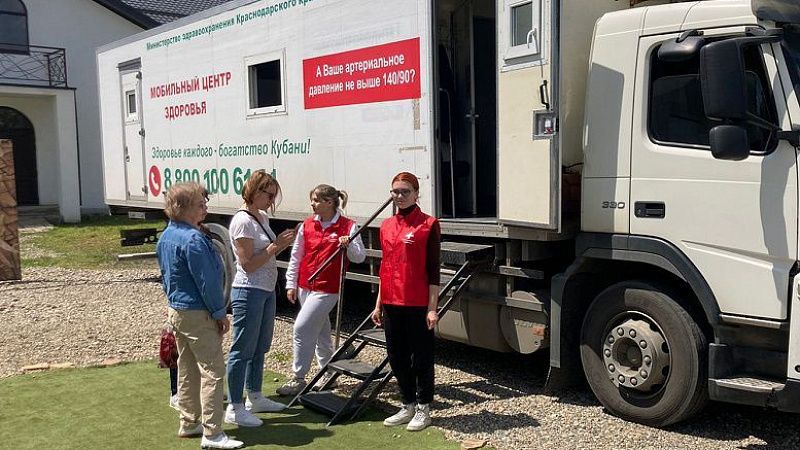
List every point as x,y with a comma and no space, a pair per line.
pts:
14,23
266,88
131,97
676,113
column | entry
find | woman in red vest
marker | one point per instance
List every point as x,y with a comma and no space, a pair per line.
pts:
317,238
408,299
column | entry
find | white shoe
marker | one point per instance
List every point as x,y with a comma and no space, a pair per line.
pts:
291,387
405,415
173,402
190,431
258,403
242,417
220,440
421,420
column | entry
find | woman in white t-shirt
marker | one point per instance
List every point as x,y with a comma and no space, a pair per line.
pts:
253,298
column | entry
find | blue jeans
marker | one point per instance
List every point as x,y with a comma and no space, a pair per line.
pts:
253,323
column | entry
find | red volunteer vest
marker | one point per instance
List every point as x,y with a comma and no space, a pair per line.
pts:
320,245
404,241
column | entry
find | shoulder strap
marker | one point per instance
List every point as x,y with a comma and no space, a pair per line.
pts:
258,222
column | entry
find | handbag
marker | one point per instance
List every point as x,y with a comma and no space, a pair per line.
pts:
168,349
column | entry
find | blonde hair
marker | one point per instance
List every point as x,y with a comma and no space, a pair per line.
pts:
261,180
181,197
329,193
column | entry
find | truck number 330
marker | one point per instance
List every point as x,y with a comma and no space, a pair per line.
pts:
613,205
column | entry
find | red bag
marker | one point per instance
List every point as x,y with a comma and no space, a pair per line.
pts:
168,350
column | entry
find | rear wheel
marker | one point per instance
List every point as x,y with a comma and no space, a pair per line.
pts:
644,356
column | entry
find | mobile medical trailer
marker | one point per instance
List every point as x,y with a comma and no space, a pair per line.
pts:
638,182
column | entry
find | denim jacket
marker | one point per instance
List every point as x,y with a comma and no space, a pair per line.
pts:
191,270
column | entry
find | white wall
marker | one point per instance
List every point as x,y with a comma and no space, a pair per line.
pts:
52,113
80,26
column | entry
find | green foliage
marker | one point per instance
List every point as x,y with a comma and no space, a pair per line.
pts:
125,407
93,243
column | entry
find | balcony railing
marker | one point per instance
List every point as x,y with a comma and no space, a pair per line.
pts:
33,65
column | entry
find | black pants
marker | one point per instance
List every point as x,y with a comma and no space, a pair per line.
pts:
409,344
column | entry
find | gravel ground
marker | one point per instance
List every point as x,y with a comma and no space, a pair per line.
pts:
87,316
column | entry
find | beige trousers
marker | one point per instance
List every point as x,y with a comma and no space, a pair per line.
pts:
201,368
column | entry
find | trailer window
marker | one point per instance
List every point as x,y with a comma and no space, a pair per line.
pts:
131,100
265,85
520,31
676,113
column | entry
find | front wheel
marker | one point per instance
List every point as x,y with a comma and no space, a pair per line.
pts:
644,356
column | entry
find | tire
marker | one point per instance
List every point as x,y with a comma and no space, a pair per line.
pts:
674,352
228,264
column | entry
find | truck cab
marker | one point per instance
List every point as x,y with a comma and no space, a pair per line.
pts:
685,281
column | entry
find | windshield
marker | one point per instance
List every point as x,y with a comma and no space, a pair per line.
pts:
791,47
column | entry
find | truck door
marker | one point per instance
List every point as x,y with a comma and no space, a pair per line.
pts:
134,135
735,220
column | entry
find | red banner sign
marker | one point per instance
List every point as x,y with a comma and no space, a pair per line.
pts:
367,75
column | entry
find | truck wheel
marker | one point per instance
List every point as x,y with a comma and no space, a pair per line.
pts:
644,356
228,266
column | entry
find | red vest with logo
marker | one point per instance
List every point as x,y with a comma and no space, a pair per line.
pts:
320,245
404,242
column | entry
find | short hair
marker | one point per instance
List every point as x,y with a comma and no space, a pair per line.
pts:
180,197
409,178
261,180
330,193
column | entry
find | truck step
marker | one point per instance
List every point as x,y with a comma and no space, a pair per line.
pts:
457,253
355,368
747,383
327,403
744,390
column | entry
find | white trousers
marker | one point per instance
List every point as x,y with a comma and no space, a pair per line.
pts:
312,330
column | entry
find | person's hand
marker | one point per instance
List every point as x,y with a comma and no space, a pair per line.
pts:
432,319
291,295
223,325
284,239
344,241
377,316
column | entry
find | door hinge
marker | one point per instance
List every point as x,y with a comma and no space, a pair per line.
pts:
141,132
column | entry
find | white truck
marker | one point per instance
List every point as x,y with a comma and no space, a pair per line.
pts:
639,182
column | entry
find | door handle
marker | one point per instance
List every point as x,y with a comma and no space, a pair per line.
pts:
653,210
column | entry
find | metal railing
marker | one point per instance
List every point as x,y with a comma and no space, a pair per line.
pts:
33,65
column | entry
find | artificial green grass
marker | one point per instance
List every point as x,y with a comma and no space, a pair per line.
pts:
93,243
125,407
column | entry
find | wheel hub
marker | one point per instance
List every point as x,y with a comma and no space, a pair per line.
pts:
636,356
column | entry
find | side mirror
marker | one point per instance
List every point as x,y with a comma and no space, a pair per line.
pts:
684,48
722,80
729,142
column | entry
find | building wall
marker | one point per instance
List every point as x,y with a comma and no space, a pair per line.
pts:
80,26
41,112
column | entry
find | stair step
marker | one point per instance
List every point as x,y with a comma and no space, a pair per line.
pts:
355,368
327,403
746,383
457,253
375,336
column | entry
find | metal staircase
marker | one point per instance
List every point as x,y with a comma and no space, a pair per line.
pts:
469,258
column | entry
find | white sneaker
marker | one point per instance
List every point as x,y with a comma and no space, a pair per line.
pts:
421,420
173,402
258,403
242,417
190,431
405,415
220,440
291,387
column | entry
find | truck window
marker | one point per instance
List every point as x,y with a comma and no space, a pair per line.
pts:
265,84
520,39
791,50
676,114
